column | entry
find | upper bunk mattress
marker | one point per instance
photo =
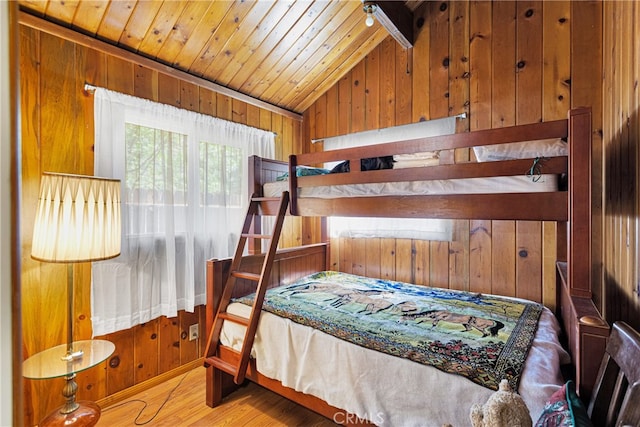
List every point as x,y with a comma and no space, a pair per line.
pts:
502,184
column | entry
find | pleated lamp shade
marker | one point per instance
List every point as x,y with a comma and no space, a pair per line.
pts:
78,219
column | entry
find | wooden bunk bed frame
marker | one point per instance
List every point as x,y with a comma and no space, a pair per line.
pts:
585,330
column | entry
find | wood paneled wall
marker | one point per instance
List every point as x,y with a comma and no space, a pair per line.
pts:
57,135
621,166
502,63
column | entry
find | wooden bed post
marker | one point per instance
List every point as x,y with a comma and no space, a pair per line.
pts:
293,184
579,256
219,384
586,330
255,187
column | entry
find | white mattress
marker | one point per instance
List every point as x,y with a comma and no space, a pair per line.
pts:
502,184
385,389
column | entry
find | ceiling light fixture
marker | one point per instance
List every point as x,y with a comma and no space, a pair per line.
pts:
369,8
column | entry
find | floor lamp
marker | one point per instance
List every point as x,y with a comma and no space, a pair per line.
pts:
77,220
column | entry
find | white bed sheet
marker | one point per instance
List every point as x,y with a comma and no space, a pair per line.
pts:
502,184
387,390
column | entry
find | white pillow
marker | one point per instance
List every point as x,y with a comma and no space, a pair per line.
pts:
416,163
521,150
425,155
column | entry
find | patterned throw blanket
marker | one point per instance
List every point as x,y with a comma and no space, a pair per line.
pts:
484,338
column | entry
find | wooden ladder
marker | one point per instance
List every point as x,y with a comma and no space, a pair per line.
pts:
257,206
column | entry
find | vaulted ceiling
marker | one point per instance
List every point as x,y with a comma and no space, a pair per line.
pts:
283,52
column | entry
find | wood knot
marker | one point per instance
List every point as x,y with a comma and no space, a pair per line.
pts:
529,13
476,36
521,64
114,362
523,253
443,7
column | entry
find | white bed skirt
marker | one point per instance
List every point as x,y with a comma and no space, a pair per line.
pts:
384,389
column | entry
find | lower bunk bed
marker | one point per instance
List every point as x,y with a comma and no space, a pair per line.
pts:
369,347
381,388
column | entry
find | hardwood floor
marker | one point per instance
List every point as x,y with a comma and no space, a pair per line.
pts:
252,405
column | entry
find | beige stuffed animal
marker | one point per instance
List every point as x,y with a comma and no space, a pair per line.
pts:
504,408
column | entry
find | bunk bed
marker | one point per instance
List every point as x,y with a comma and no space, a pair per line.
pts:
570,207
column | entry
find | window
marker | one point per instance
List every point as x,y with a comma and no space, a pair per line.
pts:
184,195
150,154
220,175
406,228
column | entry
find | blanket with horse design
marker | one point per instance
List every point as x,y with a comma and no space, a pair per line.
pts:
482,337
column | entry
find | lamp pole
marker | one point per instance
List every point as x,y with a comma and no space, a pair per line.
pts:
70,355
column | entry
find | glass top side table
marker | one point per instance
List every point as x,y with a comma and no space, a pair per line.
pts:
53,363
50,363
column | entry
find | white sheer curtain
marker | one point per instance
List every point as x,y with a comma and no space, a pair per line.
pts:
184,198
404,228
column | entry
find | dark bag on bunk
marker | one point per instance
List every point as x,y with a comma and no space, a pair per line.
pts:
368,164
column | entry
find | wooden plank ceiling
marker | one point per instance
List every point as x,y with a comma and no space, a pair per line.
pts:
283,52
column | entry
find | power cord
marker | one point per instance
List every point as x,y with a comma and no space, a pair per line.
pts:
144,404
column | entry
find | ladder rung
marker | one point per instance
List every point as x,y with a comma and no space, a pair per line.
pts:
256,236
265,199
235,319
221,364
245,275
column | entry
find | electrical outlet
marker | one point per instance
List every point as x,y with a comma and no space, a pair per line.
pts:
194,332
